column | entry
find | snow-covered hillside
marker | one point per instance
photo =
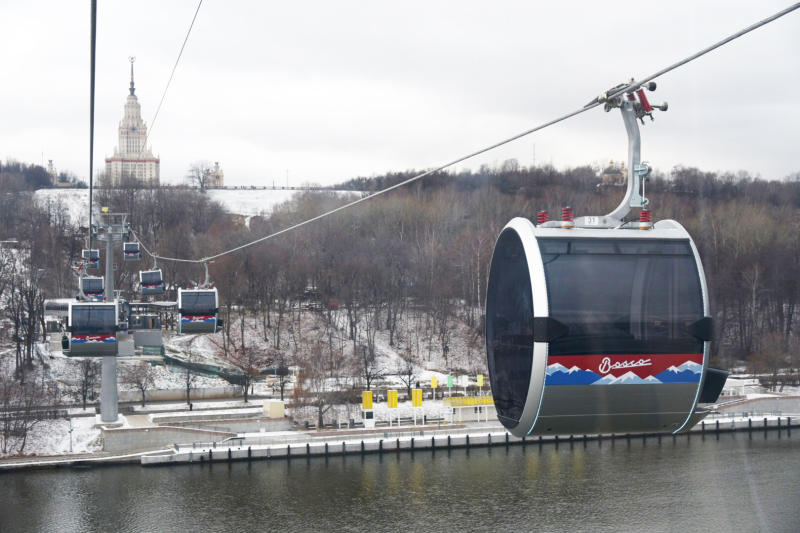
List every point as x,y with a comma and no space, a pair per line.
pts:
245,202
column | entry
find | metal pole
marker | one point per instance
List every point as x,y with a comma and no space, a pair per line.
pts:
109,281
108,384
92,48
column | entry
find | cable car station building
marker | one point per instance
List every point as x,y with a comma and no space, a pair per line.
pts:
132,158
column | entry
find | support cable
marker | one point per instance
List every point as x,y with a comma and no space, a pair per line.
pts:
633,85
171,75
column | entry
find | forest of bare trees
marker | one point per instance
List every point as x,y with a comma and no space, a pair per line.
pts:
428,247
416,258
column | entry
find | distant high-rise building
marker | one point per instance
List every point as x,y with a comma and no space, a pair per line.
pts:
132,158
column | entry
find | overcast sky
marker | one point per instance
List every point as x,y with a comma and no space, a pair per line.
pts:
326,91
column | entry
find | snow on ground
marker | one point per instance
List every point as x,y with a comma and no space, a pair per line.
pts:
200,415
200,404
74,201
202,348
170,379
757,395
254,202
66,371
51,437
430,408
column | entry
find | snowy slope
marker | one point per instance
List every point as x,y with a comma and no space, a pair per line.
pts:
76,202
256,202
245,202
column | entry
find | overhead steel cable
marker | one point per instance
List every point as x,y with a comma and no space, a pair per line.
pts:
612,93
633,85
382,191
169,81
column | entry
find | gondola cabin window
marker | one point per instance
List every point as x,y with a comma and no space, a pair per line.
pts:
93,319
622,296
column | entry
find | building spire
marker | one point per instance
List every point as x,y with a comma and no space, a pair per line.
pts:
132,59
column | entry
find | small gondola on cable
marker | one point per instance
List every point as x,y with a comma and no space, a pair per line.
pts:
92,328
92,288
151,282
91,257
600,324
131,251
199,308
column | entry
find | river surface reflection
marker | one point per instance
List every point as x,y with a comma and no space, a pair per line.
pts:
734,483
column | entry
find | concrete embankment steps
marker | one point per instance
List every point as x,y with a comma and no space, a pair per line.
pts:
439,440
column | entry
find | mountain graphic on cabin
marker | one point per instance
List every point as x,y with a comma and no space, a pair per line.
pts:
558,374
688,372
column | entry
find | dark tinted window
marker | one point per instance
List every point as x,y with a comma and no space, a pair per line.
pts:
152,277
623,296
509,327
198,302
87,319
93,285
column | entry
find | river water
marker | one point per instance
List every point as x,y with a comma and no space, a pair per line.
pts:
733,483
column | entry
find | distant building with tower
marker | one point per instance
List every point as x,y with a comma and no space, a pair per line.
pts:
614,174
58,180
216,178
132,158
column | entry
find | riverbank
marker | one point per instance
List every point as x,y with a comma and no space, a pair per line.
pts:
290,446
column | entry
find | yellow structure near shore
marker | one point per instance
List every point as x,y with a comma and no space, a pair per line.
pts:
466,401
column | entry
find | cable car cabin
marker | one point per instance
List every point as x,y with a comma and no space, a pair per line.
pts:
130,251
151,282
597,330
93,329
198,309
93,288
91,258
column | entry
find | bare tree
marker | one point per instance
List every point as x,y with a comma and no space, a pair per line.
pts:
244,355
366,360
86,388
771,358
250,360
406,370
189,377
199,175
318,383
281,362
141,376
20,409
366,365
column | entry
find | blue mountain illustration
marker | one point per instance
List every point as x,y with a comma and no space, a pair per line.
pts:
688,372
682,376
558,374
